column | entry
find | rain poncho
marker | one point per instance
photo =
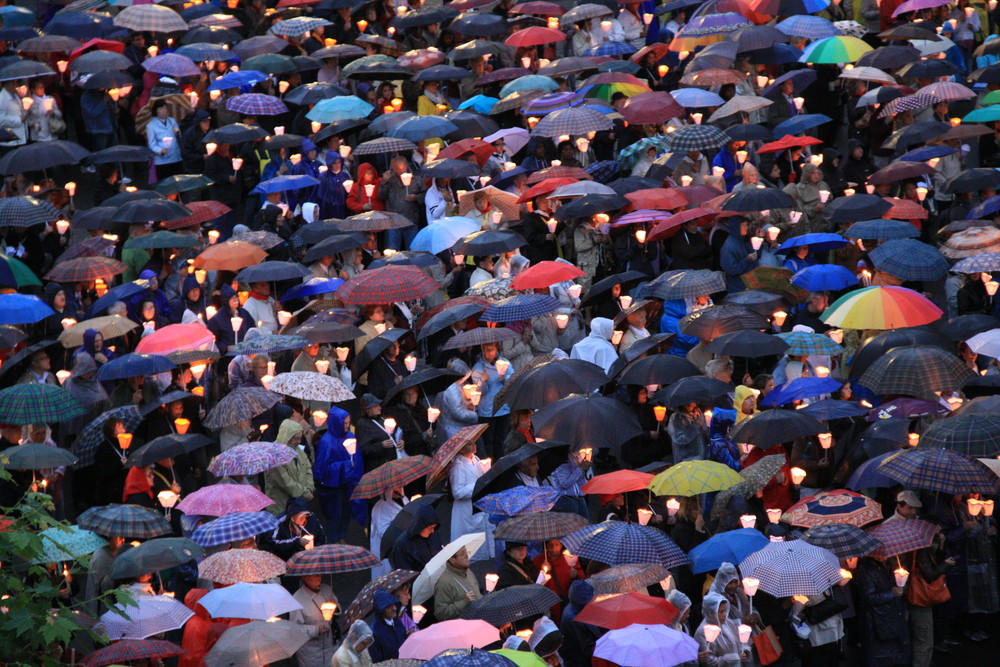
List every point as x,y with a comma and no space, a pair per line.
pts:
389,635
687,435
725,650
683,603
721,448
347,655
336,473
294,479
463,475
673,311
738,601
596,347
411,551
384,511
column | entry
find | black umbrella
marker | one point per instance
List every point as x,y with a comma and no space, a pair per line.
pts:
638,349
988,74
712,322
471,124
443,73
747,343
662,369
402,521
169,397
335,244
593,422
449,316
888,57
36,456
42,155
342,127
11,336
424,16
502,607
632,183
480,25
855,208
421,260
552,381
749,132
885,435
266,272
626,279
16,364
909,31
234,133
488,242
928,69
431,380
123,198
477,48
311,93
916,370
450,168
375,347
161,553
974,435
965,327
876,347
588,205
167,446
213,34
329,332
151,210
917,133
773,427
286,141
551,454
316,232
973,180
692,389
122,153
107,80
757,199
379,72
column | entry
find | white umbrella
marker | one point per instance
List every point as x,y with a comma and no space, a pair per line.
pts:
580,189
155,614
929,48
257,643
423,587
792,568
242,600
986,343
514,138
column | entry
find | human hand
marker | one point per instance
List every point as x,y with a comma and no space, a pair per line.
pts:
410,197
752,257
323,629
175,487
163,151
367,207
388,443
950,560
897,591
470,596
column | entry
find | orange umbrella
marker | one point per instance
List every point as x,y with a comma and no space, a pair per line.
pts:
229,256
619,481
659,51
544,188
786,142
545,273
621,611
904,209
662,199
175,337
478,147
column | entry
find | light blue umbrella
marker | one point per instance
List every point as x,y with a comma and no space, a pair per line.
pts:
984,115
17,17
285,183
695,98
443,234
339,108
61,543
419,128
479,103
529,82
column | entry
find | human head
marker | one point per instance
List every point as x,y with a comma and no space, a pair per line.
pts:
460,561
908,504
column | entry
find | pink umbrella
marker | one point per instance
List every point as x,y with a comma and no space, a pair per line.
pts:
223,499
458,633
917,5
175,337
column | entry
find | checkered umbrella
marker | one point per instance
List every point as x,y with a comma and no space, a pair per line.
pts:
331,559
251,458
480,336
384,145
975,435
838,506
268,344
901,536
362,604
241,565
512,604
792,568
239,405
127,650
697,138
85,268
374,221
447,451
391,475
234,528
620,542
627,578
909,259
808,26
297,26
150,615
883,230
38,404
801,343
710,323
684,284
223,499
150,18
939,470
92,435
130,521
520,307
915,370
572,121
518,501
26,211
603,171
256,104
843,539
773,427
171,64
202,211
693,478
386,285
539,527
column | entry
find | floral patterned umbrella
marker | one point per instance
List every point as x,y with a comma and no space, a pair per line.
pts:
251,458
838,506
241,404
310,386
236,565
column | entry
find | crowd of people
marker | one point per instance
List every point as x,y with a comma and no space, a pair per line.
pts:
615,332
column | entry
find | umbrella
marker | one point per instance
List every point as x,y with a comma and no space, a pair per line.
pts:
391,475
267,344
802,388
824,278
150,18
714,321
234,528
449,449
251,458
158,554
423,587
376,346
223,499
515,501
26,212
545,274
881,308
131,521
697,138
692,389
621,611
747,343
85,269
453,634
331,559
969,434
838,506
64,543
696,98
915,370
692,478
167,446
133,365
792,568
550,382
386,285
647,646
245,600
661,369
174,337
149,615
241,404
362,604
229,256
520,307
38,404
619,542
881,230
587,421
257,643
627,578
241,565
938,470
539,527
22,309
732,546
431,380
619,481
511,604
909,259
844,540
310,386
773,427
684,284
35,456
127,650
898,537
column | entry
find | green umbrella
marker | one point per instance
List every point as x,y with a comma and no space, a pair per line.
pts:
38,404
155,555
271,63
162,240
173,185
36,456
16,273
67,543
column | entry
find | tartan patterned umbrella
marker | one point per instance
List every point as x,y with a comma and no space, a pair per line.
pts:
223,499
150,18
151,615
773,427
268,344
310,386
241,565
697,138
792,568
26,212
256,104
838,506
803,343
239,405
234,528
85,268
362,604
38,404
130,521
909,259
127,650
480,336
202,211
620,542
520,307
714,321
693,478
447,451
938,470
519,501
386,285
901,536
251,458
627,578
391,475
539,527
975,435
843,539
511,604
92,435
331,559
684,284
915,370
882,230
572,121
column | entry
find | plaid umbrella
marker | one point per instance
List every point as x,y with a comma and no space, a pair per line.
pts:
838,506
684,284
149,615
251,458
241,565
603,171
223,499
539,527
693,478
240,404
386,285
714,321
331,559
391,475
362,604
256,104
808,26
202,211
915,370
627,578
268,344
480,336
843,539
792,568
447,451
975,435
572,121
901,536
512,604
92,435
127,650
85,268
384,145
938,470
26,212
131,521
773,427
909,259
234,528
619,542
150,18
520,307
881,230
38,404
310,386
802,343
519,500
697,138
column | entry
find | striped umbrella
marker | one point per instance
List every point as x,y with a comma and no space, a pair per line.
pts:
234,528
539,527
792,568
573,121
808,26
939,470
391,475
331,559
844,540
838,506
916,370
901,536
241,565
552,102
129,521
148,615
251,458
881,308
620,542
833,50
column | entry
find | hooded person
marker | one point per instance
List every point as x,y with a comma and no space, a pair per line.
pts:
580,639
419,543
457,411
330,194
295,478
221,324
353,651
192,299
721,448
673,311
297,526
385,510
336,473
727,584
387,629
84,387
93,346
857,166
192,142
153,292
726,650
737,257
683,604
359,200
596,347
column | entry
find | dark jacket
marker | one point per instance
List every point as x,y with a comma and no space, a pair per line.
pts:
579,639
690,251
885,637
411,551
516,573
370,436
284,542
388,637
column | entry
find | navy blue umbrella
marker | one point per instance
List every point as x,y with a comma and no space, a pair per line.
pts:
134,365
778,54
925,153
802,78
858,207
285,183
460,657
272,271
882,230
520,307
80,25
749,132
621,542
824,278
801,123
867,476
757,199
116,293
419,128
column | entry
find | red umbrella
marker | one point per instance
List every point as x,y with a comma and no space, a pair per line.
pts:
544,188
539,7
449,304
619,481
668,228
621,611
202,211
651,108
386,285
662,199
786,142
175,337
127,650
559,171
545,273
534,36
904,209
659,51
478,147
85,268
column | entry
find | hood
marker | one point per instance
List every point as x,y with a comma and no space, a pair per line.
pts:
226,292
807,169
359,631
679,600
733,225
383,599
199,116
459,366
83,364
710,608
602,327
88,340
426,516
675,308
51,289
335,422
148,274
288,430
727,573
191,602
366,170
581,592
190,283
307,145
741,394
296,505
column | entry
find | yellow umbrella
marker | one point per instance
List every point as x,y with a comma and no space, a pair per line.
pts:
692,478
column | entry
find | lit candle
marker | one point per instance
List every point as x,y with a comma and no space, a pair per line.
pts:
167,498
745,632
616,337
696,117
662,70
933,162
902,575
644,516
390,426
798,474
673,506
562,320
912,439
991,287
63,376
62,226
823,196
182,425
711,632
756,242
921,193
606,25
799,101
748,521
667,583
433,414
686,181
625,301
62,65
362,25
236,323
124,440
845,576
660,412
974,506
351,445
237,163
328,609
708,417
418,612
774,515
342,353
718,172
794,217
491,582
825,440
750,586
67,322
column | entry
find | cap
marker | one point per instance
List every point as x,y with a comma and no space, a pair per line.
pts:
370,401
910,498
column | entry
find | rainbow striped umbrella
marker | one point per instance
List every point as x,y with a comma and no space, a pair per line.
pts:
881,308
833,50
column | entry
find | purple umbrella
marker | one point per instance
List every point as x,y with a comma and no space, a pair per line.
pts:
552,102
255,104
801,79
172,64
907,408
713,24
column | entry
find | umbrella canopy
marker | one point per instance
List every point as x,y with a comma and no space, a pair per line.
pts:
38,404
65,543
518,502
685,284
661,369
973,434
647,646
392,475
423,587
254,601
748,343
362,604
587,421
130,521
938,470
127,650
844,540
35,456
693,389
331,559
773,427
692,478
311,386
240,404
792,568
511,604
223,499
881,308
539,527
241,565
151,615
621,611
916,370
909,259
618,481
449,449
454,634
233,528
257,643
159,554
838,506
547,383
627,578
251,458
619,542
520,307
714,321
167,446
898,537
732,546
386,285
